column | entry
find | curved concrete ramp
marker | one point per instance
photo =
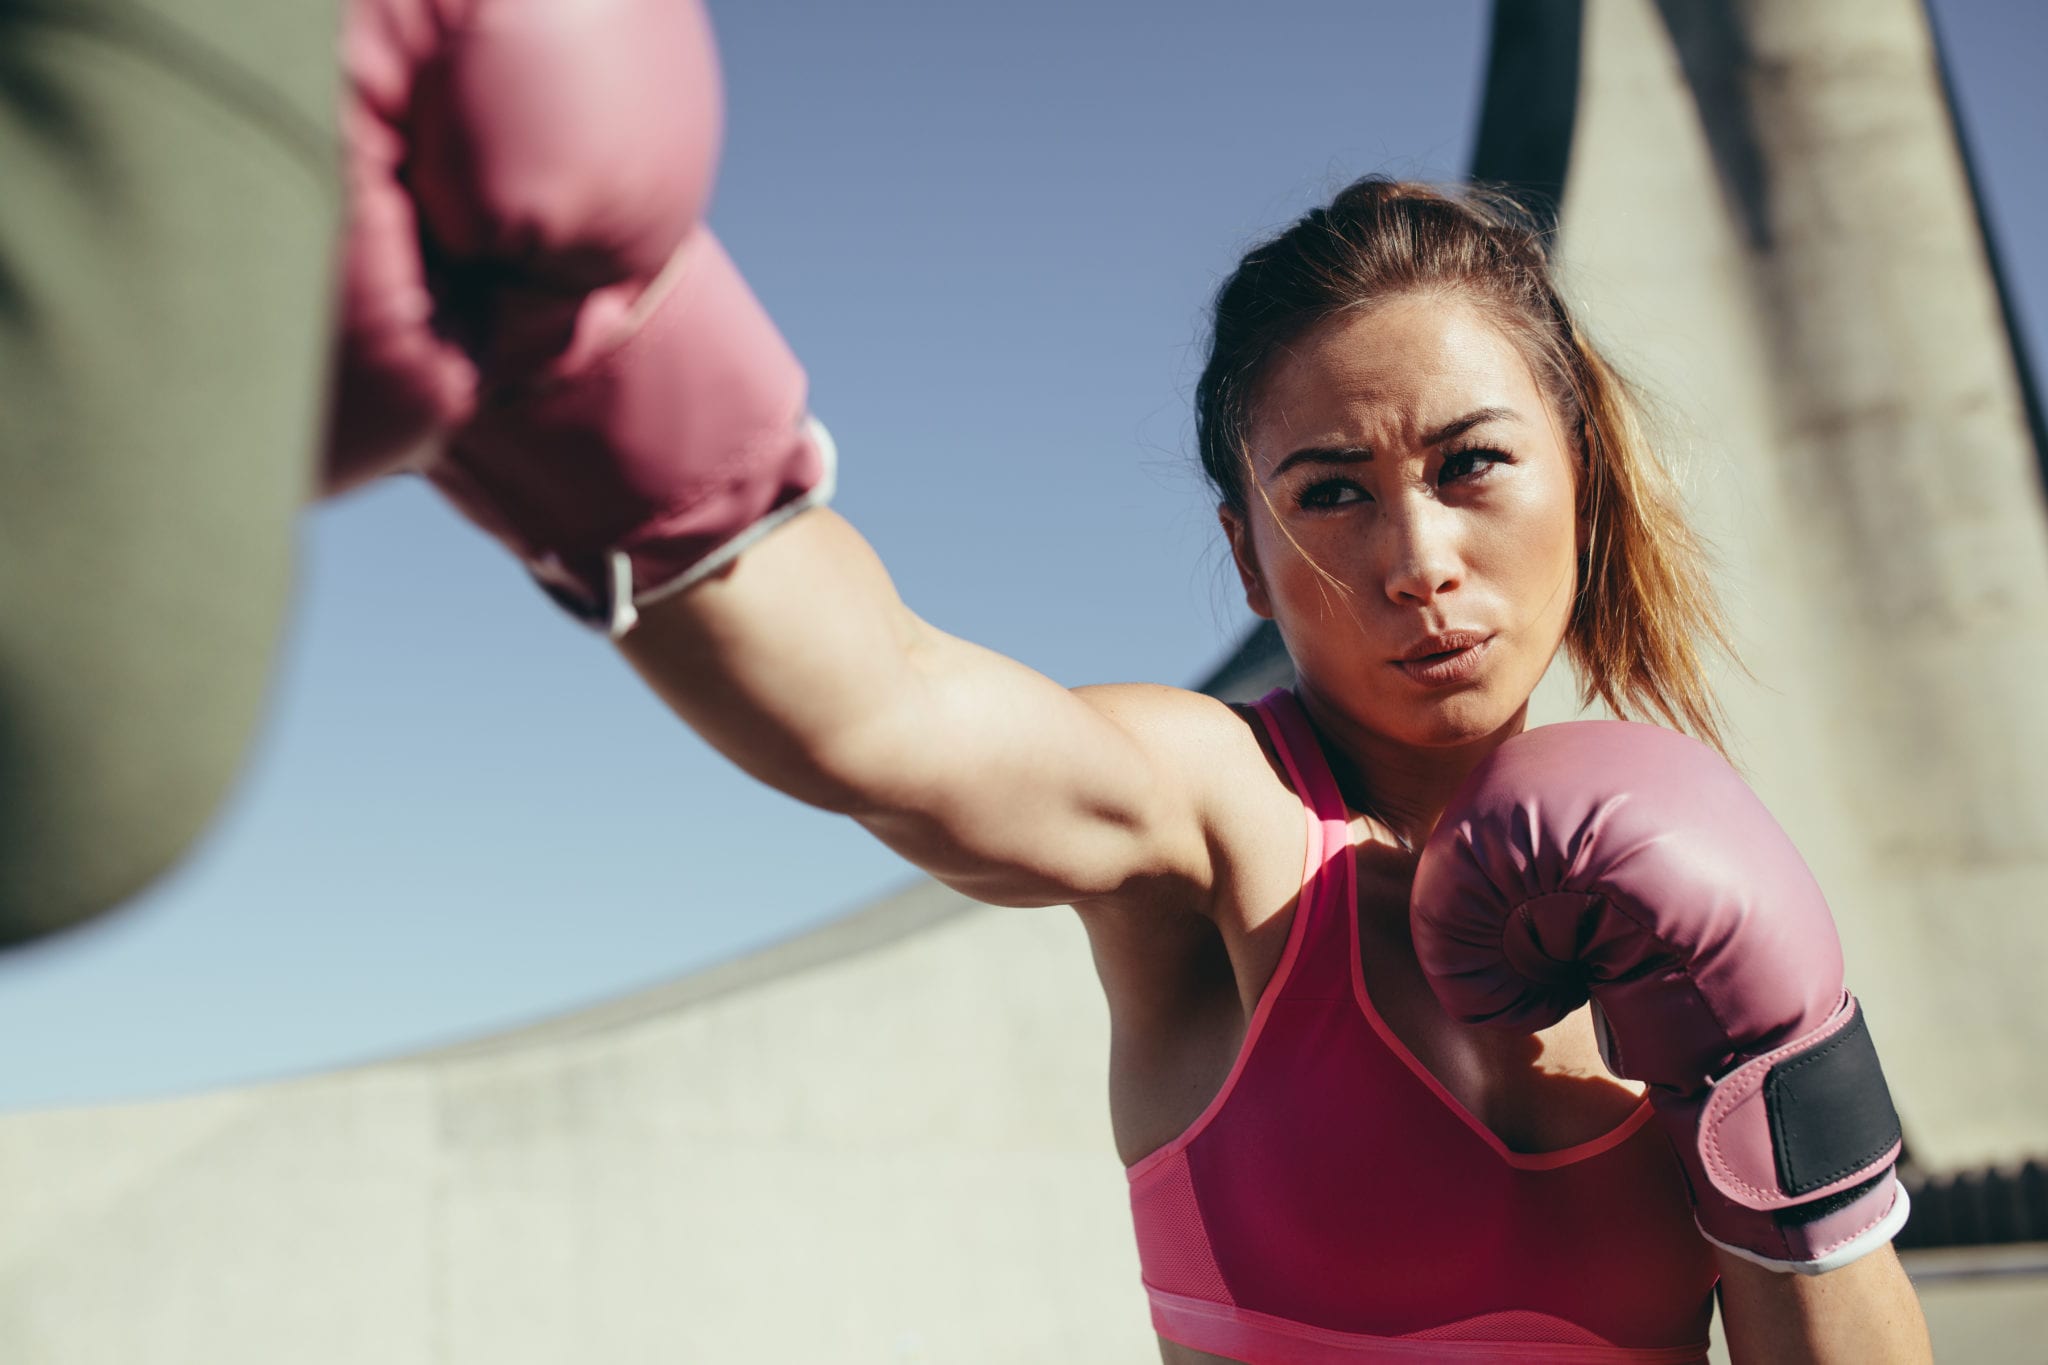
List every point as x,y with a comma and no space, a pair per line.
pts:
886,1142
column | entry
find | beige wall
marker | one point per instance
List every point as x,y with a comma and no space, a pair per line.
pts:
1845,403
883,1145
896,1155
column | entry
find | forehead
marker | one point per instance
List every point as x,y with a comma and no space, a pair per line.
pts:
1382,378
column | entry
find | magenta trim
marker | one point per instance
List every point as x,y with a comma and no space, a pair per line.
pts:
1322,785
1522,1161
1317,782
1312,860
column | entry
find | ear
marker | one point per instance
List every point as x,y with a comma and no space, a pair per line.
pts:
1239,534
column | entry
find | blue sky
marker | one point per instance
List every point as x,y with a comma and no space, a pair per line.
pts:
990,231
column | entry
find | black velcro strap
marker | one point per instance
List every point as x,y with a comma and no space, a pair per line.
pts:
1799,1215
1830,1110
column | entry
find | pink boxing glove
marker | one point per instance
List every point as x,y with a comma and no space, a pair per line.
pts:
1632,865
533,313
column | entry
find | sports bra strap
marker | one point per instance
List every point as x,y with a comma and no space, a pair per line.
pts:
1299,750
1317,965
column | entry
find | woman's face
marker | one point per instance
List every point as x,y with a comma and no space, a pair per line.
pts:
1410,520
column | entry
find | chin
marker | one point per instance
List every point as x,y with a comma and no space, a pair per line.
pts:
1451,721
1492,705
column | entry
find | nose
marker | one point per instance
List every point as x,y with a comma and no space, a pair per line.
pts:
1421,548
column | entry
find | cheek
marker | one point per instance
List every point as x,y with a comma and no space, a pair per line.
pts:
1325,585
1532,544
1551,566
1290,557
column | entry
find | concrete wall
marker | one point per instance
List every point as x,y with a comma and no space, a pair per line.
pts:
888,1143
883,1144
1806,294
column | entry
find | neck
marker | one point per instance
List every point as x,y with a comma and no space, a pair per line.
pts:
1404,786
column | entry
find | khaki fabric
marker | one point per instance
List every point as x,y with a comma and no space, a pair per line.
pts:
169,202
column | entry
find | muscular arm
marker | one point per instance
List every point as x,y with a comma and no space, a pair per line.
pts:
802,665
1862,1314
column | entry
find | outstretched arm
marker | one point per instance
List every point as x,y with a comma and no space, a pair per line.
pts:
543,325
801,664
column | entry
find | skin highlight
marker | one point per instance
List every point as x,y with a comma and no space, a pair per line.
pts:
1379,513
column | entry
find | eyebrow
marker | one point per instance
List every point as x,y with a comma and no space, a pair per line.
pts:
1347,455
1478,417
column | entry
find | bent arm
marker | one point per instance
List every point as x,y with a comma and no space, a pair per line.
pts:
801,664
1865,1313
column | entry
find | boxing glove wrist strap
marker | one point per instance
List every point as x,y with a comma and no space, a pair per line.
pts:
1803,1140
1802,1121
608,597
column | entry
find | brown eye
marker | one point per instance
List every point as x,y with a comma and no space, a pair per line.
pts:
1469,464
1331,493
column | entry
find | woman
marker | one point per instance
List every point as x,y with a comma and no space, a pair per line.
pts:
1430,481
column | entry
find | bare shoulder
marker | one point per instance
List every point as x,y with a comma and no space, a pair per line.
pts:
1182,973
1215,754
1209,747
1172,722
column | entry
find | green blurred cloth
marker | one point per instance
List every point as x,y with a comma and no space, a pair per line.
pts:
169,203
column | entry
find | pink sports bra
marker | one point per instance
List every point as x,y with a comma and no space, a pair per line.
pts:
1335,1205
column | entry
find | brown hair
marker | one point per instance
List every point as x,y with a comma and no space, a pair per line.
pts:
1644,605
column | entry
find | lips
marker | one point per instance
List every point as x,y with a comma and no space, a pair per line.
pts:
1452,657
